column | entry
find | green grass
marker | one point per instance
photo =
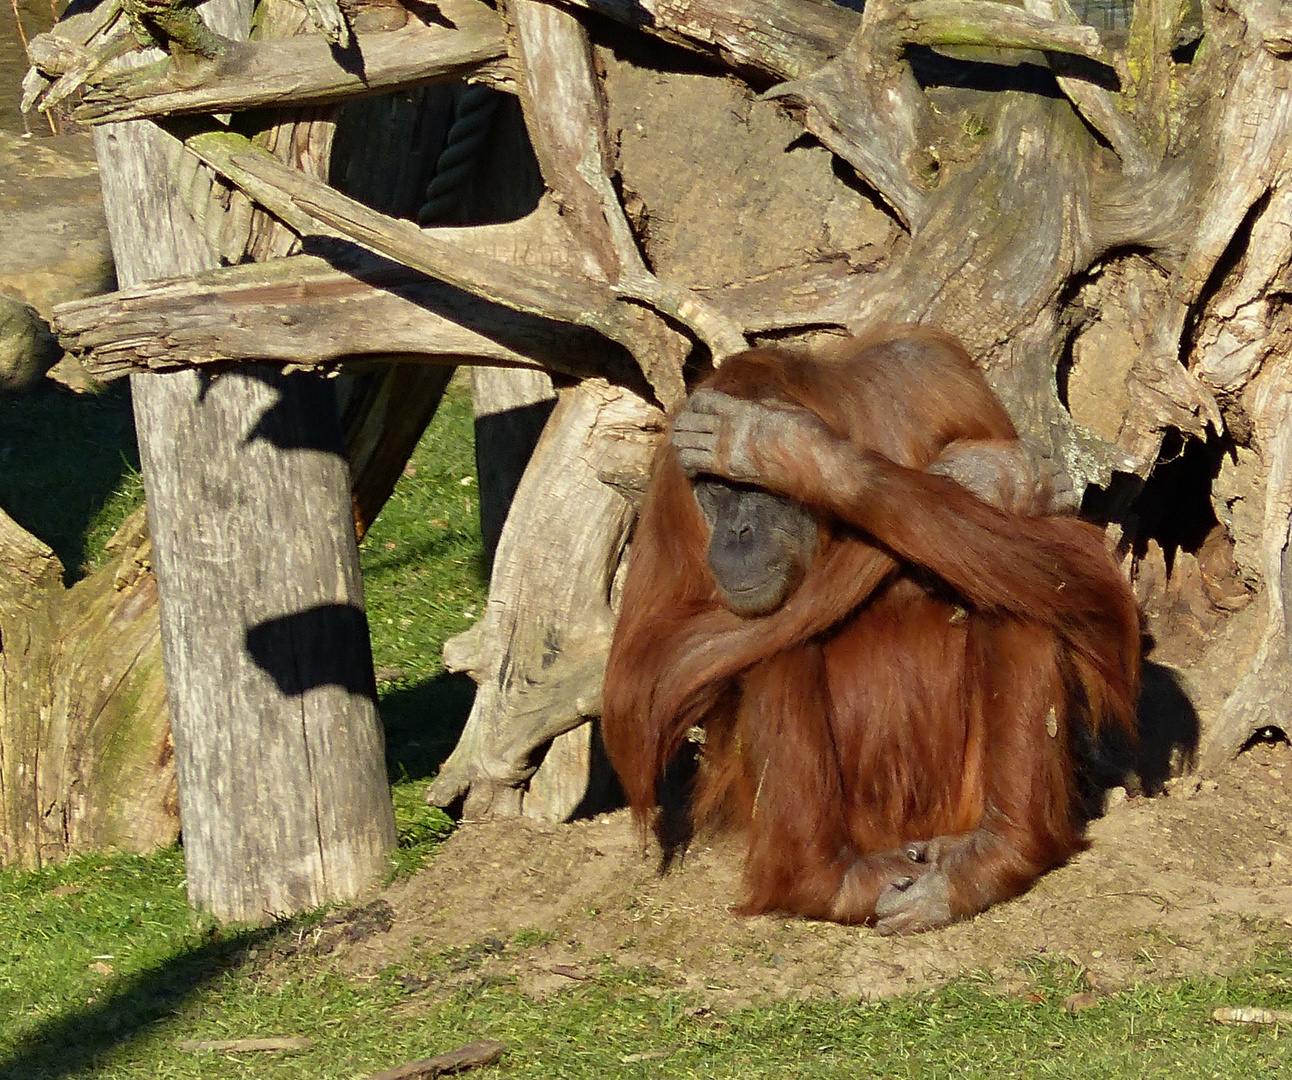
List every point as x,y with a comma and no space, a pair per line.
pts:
424,581
104,973
423,570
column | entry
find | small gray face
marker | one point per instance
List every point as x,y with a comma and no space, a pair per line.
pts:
760,544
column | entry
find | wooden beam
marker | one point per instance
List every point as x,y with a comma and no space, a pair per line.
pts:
304,311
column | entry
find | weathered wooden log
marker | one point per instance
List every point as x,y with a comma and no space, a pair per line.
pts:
306,70
538,655
775,38
305,311
512,409
278,745
788,40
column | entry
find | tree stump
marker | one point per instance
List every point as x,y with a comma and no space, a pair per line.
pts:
85,745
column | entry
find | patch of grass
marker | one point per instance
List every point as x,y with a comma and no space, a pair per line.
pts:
105,973
122,501
421,827
532,937
424,581
423,567
69,469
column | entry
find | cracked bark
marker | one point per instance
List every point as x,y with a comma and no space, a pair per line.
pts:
278,746
85,745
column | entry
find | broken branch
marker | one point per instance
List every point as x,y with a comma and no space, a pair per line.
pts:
472,1056
303,202
1250,1015
303,70
1000,26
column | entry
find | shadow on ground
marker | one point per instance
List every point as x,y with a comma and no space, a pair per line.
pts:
423,723
62,455
77,1041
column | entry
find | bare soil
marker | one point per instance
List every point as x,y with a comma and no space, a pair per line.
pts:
1191,881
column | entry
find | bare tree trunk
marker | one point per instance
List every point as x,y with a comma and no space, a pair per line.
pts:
538,655
511,409
279,751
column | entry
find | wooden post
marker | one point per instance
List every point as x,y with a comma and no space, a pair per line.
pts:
279,749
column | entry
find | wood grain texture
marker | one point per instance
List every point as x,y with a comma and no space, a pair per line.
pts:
538,656
308,312
279,750
304,70
85,745
783,38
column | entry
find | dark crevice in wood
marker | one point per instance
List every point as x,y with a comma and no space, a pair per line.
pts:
1229,263
650,53
932,68
1175,506
1063,368
1185,53
1111,503
1271,733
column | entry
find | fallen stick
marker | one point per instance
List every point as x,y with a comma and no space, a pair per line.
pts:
472,1056
286,1042
1249,1015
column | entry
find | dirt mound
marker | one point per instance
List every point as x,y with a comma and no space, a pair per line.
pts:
1190,881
